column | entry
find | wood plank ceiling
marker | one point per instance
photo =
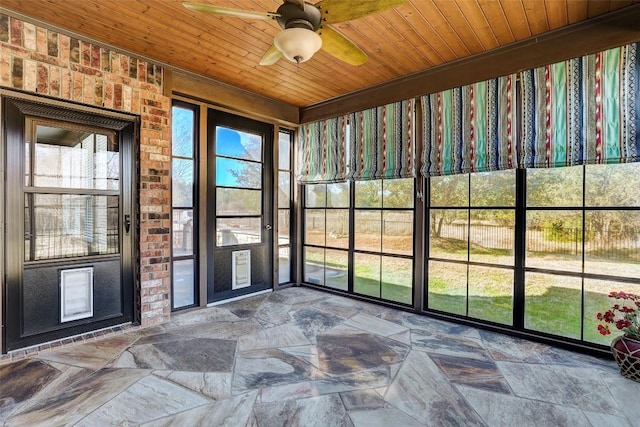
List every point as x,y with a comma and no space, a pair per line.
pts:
415,36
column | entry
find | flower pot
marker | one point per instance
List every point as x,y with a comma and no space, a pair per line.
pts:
626,351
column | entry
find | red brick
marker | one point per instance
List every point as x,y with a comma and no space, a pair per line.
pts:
43,79
15,29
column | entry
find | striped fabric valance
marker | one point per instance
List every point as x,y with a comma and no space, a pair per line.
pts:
322,152
382,142
584,110
470,128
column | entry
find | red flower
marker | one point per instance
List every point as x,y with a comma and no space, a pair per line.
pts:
604,330
624,315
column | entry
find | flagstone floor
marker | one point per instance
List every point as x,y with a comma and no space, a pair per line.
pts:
300,357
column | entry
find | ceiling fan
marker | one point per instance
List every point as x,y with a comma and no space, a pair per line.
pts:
307,27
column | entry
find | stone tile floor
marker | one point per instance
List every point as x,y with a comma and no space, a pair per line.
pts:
300,357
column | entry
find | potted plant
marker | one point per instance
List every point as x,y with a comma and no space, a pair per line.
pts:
625,316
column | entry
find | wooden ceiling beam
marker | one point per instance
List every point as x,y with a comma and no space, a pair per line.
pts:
603,32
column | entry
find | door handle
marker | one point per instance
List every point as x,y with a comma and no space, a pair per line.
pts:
127,223
268,227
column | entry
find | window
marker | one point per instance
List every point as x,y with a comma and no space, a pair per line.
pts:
184,205
470,265
285,206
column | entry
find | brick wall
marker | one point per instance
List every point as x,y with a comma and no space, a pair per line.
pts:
45,62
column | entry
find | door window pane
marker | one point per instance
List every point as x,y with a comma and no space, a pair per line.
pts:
491,236
397,279
284,265
366,274
182,232
448,234
368,231
183,283
284,151
238,173
336,269
554,240
283,226
491,294
65,158
241,145
238,231
68,225
397,232
234,201
182,183
553,304
447,286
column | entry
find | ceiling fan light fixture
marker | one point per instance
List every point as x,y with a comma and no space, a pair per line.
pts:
298,44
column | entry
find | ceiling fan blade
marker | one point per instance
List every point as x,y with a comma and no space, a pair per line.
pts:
271,56
337,45
334,11
225,11
299,3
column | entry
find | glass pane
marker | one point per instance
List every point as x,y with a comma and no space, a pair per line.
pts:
284,222
284,151
369,194
238,173
397,279
315,195
491,294
368,230
596,300
397,193
182,183
491,236
284,265
67,158
554,240
27,164
496,188
448,233
613,185
234,201
366,274
451,190
338,195
314,265
75,225
284,189
182,132
314,227
182,232
336,269
238,231
241,145
27,228
397,232
554,187
338,228
447,287
553,304
612,243
183,283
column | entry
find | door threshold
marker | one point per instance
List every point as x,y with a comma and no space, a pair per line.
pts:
224,301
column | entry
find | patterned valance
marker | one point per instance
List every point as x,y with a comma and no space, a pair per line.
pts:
583,110
470,128
322,152
382,142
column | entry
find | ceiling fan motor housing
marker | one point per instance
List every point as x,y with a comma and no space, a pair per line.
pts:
291,16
